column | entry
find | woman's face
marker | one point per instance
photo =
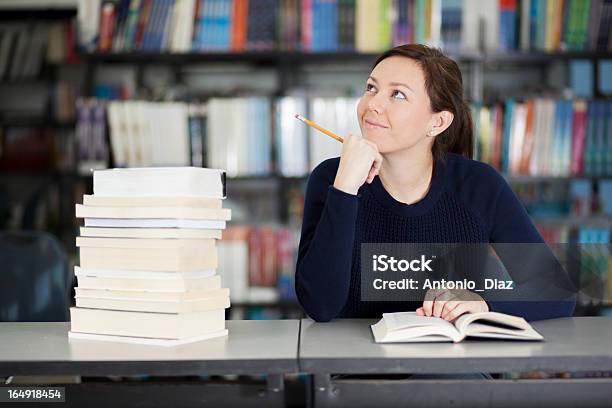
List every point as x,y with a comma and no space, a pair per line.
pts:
394,111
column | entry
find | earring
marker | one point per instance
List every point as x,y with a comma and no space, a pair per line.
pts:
431,132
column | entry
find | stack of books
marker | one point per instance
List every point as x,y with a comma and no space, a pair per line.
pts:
148,257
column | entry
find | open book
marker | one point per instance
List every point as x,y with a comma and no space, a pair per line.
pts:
407,327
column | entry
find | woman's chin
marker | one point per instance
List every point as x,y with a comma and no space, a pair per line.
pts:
376,139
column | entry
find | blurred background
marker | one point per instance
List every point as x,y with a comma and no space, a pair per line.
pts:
95,84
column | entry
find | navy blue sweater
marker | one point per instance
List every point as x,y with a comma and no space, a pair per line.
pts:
467,202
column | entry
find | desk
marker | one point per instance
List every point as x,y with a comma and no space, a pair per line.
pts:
347,347
252,348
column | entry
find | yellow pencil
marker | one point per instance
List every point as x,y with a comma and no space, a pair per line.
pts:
319,128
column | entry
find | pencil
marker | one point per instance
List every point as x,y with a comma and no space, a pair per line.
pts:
319,128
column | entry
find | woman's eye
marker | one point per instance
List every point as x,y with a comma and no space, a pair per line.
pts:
398,95
369,88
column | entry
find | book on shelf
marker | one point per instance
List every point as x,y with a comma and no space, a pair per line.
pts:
27,46
91,135
545,137
352,25
592,260
239,135
291,137
407,327
256,263
151,133
339,114
143,269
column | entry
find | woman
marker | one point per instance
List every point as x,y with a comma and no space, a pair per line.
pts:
410,178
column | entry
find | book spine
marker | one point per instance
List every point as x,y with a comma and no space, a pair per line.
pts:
107,20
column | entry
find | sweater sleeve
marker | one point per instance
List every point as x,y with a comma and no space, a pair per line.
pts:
324,262
524,253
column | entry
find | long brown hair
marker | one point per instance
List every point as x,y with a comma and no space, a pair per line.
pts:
444,86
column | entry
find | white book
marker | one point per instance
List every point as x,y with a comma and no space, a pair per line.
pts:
141,113
234,267
291,137
150,295
187,26
177,285
199,202
173,326
176,150
117,134
407,327
88,23
517,135
144,340
547,135
159,282
174,27
243,137
154,306
134,134
160,181
130,134
164,233
151,275
85,211
95,242
323,147
477,13
154,223
182,259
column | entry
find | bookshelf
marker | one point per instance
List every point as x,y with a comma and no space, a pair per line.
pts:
38,6
274,191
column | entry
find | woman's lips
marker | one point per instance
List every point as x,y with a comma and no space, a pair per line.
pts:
373,125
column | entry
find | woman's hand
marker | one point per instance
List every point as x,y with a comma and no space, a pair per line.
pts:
359,163
450,304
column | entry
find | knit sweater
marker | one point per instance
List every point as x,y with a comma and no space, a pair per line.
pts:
467,202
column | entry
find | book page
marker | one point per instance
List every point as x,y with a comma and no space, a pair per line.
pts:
403,320
408,327
495,325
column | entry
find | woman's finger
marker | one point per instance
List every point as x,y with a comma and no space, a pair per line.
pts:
462,308
428,301
449,307
440,301
430,296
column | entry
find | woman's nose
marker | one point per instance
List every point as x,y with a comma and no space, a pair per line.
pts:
376,105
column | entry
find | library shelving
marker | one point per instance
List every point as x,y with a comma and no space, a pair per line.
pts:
289,66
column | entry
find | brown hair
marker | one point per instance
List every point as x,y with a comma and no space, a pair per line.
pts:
444,86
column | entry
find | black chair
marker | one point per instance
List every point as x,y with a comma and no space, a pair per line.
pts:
35,281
